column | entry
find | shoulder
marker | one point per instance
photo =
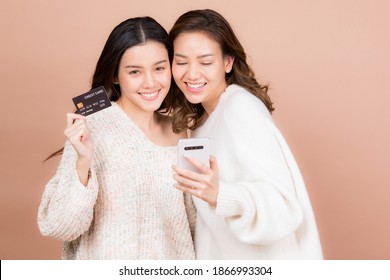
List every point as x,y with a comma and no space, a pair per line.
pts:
239,102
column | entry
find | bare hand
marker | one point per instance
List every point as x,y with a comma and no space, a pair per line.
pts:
78,135
204,185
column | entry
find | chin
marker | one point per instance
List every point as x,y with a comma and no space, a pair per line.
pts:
151,108
194,100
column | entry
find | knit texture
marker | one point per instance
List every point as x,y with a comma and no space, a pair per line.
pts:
263,209
129,209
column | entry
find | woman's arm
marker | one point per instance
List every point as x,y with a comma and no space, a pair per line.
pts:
66,209
258,198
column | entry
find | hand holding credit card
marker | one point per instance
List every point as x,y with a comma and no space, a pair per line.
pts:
92,101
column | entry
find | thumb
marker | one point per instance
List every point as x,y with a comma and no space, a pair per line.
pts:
213,163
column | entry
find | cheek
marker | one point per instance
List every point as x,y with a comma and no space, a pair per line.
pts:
216,74
126,83
166,79
177,72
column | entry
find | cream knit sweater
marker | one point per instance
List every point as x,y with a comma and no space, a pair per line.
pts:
129,209
263,210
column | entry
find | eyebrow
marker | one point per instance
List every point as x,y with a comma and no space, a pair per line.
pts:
199,56
157,63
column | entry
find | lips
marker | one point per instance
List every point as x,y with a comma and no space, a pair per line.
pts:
195,87
149,96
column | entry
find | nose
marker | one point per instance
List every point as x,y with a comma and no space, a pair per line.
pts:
149,80
193,71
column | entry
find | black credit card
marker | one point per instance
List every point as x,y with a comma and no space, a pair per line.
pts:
92,101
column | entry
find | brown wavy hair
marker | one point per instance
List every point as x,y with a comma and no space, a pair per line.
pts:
129,33
190,116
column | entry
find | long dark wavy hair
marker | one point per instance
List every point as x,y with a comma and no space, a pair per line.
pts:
190,116
131,32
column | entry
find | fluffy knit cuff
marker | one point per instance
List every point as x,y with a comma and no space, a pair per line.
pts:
230,200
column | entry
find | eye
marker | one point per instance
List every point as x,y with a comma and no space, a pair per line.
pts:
134,72
161,68
206,63
180,63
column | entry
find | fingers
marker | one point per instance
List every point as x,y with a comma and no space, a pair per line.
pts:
186,173
199,191
186,182
203,185
213,163
193,177
76,127
191,190
71,118
75,133
200,166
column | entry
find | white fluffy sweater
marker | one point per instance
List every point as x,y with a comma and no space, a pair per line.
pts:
129,209
263,209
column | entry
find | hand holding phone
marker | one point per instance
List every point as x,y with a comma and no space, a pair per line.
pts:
206,185
197,148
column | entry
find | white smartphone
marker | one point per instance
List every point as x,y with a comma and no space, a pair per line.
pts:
198,148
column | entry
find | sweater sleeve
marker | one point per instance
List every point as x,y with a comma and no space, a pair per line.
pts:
258,197
66,209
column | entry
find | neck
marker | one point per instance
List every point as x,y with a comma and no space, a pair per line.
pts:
211,104
145,120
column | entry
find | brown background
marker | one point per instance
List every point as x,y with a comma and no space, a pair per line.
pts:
327,64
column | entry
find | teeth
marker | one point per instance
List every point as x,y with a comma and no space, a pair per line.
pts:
149,94
194,86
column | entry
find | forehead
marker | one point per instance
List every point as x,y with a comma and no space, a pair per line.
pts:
151,50
195,42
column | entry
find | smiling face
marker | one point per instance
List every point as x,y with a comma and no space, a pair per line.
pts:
144,76
199,68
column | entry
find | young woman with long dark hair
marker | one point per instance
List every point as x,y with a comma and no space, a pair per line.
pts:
112,195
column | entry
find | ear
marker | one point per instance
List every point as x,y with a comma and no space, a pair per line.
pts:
228,60
115,81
